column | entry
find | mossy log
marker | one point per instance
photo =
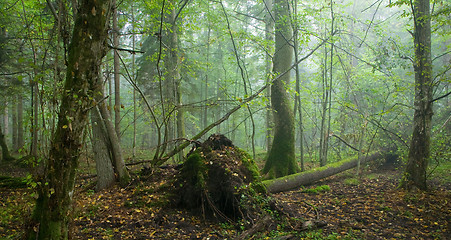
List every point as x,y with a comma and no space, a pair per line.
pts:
308,177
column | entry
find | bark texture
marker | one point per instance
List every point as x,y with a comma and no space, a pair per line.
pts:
114,146
305,178
87,48
4,147
174,74
20,128
104,166
281,158
269,29
117,83
419,151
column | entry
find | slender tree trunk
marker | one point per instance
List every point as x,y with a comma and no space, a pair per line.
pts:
117,83
35,122
269,30
86,50
134,90
180,116
14,130
419,151
361,141
324,99
110,88
207,72
281,159
5,119
297,97
331,65
219,89
327,96
174,78
20,131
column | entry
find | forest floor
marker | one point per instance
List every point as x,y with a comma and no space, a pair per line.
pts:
369,207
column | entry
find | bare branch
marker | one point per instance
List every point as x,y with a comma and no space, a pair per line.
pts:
125,50
346,143
444,96
180,9
441,55
52,9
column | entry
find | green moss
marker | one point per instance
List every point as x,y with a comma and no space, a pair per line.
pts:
125,179
352,181
323,188
249,163
195,171
281,161
287,178
318,189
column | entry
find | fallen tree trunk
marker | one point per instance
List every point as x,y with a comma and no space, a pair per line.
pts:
305,178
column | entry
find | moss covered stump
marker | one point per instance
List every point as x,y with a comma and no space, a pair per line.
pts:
220,180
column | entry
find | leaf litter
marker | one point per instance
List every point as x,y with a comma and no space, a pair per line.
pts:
373,208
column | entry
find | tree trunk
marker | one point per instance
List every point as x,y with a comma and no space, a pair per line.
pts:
419,151
114,146
5,119
308,177
117,84
205,87
175,69
297,103
34,114
86,50
14,130
269,29
104,166
135,115
173,80
20,132
5,152
281,158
